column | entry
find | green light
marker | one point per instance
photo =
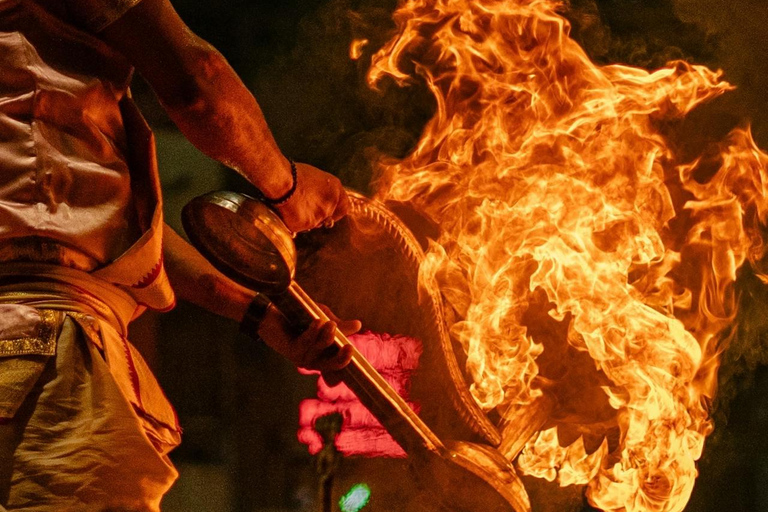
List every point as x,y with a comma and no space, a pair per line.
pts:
355,499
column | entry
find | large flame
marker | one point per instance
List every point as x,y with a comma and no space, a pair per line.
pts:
547,173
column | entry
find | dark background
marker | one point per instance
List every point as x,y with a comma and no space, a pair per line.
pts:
237,401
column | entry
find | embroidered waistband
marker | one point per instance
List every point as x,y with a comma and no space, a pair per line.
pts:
60,288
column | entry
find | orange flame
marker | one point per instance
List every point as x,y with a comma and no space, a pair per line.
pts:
549,173
356,48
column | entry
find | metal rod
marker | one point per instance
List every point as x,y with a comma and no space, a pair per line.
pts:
384,402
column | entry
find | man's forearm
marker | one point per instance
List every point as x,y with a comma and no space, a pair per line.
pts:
201,92
218,114
195,280
222,119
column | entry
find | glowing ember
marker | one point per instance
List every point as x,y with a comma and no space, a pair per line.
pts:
396,358
356,48
549,175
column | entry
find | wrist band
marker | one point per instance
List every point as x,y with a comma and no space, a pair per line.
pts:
285,197
255,313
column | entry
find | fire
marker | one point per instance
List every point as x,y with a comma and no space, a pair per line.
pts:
356,48
549,174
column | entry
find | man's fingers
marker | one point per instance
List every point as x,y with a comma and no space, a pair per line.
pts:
315,348
314,352
325,309
320,336
336,363
327,334
350,326
311,332
345,326
321,357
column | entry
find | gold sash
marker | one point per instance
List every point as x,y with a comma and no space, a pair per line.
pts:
103,312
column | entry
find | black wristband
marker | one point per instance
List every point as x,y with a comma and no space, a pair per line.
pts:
285,197
254,315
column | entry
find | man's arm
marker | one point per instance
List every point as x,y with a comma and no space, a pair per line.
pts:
216,112
195,280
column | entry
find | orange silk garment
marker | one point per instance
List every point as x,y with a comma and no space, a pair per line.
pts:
78,175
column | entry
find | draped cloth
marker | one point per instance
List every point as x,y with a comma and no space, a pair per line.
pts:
76,441
82,418
83,423
78,173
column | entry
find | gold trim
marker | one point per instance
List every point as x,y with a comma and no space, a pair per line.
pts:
43,344
90,327
470,413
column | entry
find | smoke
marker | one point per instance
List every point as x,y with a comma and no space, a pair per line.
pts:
742,43
317,101
722,34
642,34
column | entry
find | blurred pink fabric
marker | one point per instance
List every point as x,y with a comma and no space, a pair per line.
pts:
396,358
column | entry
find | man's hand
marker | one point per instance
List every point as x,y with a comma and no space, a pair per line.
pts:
319,199
308,349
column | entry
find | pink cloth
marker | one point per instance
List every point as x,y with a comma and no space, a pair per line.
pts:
368,442
18,322
396,358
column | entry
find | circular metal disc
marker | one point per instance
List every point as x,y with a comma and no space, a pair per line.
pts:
243,239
